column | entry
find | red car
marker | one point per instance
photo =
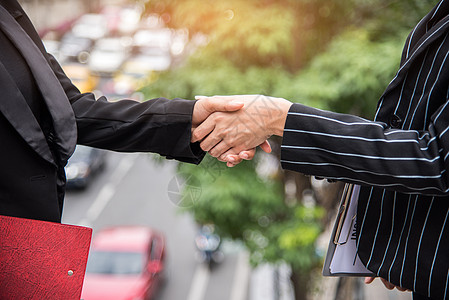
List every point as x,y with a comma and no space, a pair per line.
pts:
125,263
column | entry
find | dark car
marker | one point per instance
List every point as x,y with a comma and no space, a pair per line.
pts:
75,48
125,262
83,165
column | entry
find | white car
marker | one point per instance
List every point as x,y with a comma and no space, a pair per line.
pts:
108,56
92,26
156,59
155,38
129,20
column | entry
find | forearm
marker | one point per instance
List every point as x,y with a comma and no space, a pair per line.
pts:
352,149
159,125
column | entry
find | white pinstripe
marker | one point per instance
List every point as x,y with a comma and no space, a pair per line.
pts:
362,121
406,241
416,85
441,111
364,218
409,58
443,132
419,244
420,45
400,237
436,251
436,80
359,138
402,92
365,171
430,160
433,16
377,229
391,233
381,101
410,190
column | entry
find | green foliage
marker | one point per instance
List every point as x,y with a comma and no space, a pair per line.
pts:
232,198
249,207
389,18
204,74
351,75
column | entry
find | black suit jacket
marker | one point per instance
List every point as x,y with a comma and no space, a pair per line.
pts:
32,173
400,160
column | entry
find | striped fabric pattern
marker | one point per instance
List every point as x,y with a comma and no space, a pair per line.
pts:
400,159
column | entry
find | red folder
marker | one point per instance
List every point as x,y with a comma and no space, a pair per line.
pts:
42,260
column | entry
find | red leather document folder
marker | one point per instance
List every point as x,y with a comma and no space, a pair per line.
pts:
42,260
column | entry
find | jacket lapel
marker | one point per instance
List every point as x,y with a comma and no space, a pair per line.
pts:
58,105
424,38
14,107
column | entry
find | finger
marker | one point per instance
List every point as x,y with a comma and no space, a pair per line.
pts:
210,142
201,131
401,289
248,154
213,104
230,156
233,160
387,284
219,149
368,280
230,165
266,147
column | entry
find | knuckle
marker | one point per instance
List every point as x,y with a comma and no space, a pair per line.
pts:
196,134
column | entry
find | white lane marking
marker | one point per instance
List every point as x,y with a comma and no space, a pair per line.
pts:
108,191
199,283
241,278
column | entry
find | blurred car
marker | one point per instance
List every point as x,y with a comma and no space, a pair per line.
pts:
108,55
160,38
135,74
83,165
92,26
75,47
81,77
159,59
125,262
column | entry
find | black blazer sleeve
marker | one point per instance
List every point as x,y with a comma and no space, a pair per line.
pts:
159,125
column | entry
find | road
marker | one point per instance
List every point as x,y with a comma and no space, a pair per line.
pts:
133,190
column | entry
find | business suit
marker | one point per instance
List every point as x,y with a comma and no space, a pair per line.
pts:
39,130
400,160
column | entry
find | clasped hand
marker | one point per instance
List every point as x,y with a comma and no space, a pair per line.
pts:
233,126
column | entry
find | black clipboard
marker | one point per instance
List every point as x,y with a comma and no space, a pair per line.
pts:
342,238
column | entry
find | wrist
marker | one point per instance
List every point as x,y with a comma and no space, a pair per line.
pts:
197,113
278,124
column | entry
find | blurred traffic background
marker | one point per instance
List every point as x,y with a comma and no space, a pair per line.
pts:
164,230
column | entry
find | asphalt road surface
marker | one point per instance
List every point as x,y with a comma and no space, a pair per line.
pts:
133,189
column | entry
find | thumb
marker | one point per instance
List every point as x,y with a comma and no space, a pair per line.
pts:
265,146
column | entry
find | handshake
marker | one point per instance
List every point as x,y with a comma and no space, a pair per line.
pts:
231,127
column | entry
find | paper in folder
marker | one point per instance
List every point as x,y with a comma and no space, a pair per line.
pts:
42,260
342,258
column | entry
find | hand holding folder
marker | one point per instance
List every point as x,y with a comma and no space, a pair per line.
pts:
342,258
42,260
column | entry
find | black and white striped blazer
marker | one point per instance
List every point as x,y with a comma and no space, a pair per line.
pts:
400,160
